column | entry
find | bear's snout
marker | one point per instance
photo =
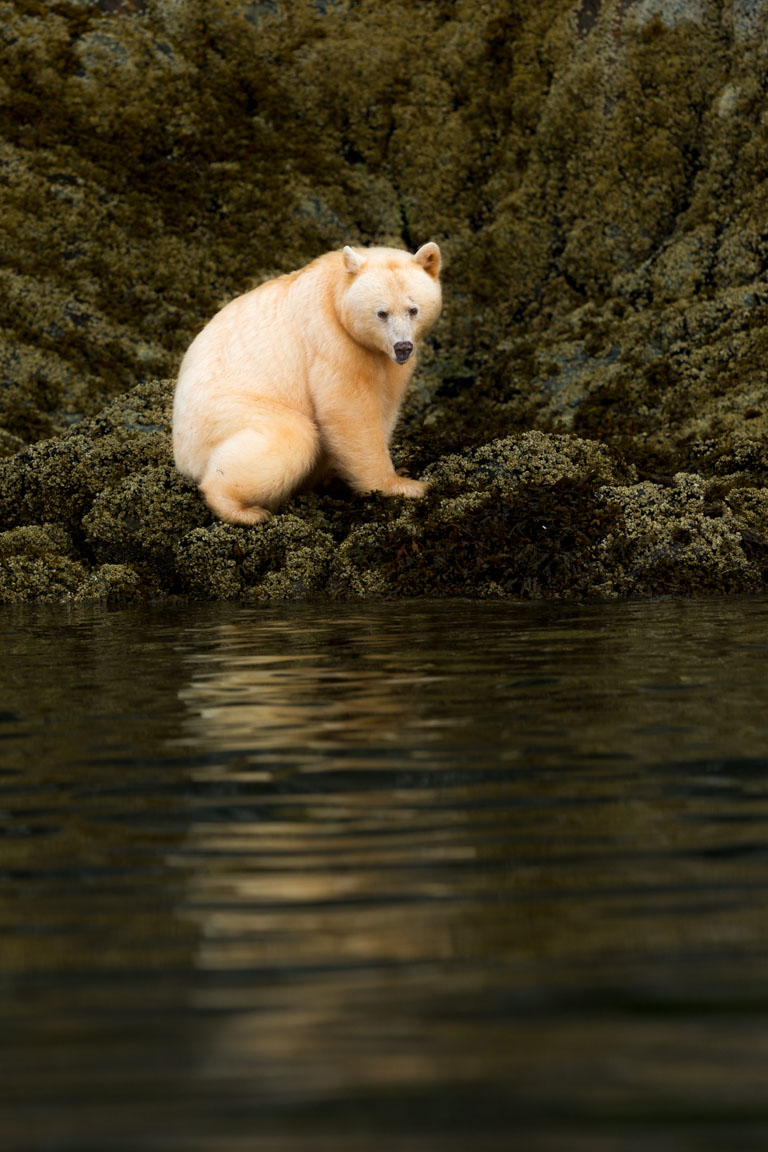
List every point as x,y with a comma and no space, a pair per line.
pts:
403,349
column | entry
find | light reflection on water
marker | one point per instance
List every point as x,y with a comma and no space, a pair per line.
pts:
428,875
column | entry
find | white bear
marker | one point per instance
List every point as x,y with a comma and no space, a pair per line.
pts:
303,377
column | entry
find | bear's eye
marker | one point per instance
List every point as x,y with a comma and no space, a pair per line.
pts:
382,315
413,311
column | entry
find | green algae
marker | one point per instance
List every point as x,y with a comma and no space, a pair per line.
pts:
591,409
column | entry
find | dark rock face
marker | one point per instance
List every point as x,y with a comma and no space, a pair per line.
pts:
591,409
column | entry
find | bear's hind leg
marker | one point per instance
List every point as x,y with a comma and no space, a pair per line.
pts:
250,475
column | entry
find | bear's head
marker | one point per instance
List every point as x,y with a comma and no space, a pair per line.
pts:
391,299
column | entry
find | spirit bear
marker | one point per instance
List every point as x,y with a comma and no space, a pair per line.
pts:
303,378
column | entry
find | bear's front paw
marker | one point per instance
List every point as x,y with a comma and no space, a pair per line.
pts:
404,486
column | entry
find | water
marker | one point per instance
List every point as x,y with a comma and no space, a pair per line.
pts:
386,876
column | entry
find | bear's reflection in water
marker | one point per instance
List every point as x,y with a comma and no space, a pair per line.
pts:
326,883
298,692
454,848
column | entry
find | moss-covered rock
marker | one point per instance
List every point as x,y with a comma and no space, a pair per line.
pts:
531,515
38,563
139,519
59,479
285,559
591,409
674,539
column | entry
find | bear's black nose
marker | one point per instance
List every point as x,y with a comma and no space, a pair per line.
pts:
403,349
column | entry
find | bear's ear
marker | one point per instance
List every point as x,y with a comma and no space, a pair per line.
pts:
353,261
429,258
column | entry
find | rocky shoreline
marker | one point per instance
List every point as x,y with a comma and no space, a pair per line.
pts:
591,411
102,514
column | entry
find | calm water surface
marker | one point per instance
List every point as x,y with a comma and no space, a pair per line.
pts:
391,876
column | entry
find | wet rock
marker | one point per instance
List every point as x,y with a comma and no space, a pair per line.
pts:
139,519
39,563
113,584
284,559
674,539
59,479
531,515
208,561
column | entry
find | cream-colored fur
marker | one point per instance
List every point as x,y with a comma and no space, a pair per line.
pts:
302,378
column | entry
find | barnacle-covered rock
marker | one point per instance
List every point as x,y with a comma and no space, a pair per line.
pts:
591,410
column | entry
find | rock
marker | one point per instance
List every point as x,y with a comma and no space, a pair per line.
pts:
139,519
592,410
39,563
672,539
